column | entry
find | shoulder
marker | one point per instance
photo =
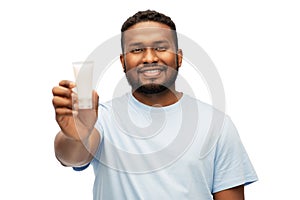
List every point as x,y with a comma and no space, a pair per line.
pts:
115,103
201,106
208,116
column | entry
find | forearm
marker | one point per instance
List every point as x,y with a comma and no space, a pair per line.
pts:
72,152
235,193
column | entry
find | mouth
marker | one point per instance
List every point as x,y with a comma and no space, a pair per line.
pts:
151,71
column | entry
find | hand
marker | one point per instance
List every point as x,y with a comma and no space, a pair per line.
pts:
74,123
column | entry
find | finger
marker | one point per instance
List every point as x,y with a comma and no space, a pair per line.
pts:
75,101
61,91
67,84
60,102
63,111
74,97
75,106
95,98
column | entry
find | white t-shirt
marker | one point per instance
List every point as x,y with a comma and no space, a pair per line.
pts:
187,150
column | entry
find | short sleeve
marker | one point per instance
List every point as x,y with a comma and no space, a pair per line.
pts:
232,164
81,168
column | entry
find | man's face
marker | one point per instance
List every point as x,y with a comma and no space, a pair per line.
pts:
150,59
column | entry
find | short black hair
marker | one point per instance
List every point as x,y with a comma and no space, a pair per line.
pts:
148,15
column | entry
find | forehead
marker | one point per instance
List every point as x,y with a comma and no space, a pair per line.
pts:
147,32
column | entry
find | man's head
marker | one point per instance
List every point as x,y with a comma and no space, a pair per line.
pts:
150,54
148,15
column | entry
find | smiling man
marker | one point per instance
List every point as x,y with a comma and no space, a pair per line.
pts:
147,144
151,60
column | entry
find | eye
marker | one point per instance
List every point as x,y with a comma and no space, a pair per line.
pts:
161,48
136,50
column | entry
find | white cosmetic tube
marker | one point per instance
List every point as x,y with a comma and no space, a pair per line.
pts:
83,72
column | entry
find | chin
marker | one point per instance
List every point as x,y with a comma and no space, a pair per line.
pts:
151,89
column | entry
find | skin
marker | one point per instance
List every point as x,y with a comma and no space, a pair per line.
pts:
78,140
236,193
149,43
149,59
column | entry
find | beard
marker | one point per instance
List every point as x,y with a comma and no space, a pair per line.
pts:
151,88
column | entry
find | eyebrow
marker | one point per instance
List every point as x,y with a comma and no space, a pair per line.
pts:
161,41
135,44
141,43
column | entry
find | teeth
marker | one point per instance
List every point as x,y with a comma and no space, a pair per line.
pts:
152,71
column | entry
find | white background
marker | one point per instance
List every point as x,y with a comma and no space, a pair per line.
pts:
255,46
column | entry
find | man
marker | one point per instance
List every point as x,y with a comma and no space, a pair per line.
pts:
121,138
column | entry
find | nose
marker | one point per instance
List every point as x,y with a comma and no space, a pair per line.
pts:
150,56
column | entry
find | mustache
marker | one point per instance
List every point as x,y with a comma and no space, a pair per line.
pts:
151,66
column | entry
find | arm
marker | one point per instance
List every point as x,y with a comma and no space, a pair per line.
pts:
236,193
232,167
78,140
72,152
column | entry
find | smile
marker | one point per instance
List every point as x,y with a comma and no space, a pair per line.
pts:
151,71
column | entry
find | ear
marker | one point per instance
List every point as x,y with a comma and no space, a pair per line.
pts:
122,60
179,57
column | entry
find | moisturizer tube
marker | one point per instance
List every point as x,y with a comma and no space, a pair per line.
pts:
84,83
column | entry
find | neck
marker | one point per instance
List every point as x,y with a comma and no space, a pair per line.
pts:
165,98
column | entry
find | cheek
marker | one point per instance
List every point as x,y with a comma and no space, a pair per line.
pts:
131,73
132,61
168,58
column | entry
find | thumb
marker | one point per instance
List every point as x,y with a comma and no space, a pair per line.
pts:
95,100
